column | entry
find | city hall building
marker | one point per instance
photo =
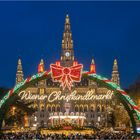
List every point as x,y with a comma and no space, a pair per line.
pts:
85,103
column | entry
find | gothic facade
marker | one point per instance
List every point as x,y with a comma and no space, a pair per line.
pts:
96,111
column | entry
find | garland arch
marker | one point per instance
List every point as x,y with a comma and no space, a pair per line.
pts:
128,103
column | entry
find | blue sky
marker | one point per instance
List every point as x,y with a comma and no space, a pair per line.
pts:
105,30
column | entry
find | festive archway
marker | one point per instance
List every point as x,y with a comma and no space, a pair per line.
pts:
128,103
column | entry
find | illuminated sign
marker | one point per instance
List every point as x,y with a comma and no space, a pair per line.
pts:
66,75
58,96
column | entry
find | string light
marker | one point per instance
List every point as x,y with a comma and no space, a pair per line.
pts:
38,76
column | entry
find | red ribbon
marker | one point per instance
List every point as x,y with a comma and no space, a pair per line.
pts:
66,75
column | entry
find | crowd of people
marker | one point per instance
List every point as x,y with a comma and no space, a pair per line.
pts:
96,136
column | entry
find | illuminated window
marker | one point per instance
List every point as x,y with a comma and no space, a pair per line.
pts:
41,90
99,118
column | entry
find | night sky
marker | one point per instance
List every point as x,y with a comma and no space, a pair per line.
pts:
105,30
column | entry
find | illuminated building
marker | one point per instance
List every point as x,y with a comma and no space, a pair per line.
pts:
52,101
115,74
19,74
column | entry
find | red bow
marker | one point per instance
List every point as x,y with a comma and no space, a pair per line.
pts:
66,75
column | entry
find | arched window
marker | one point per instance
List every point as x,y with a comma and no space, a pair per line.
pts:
85,108
35,106
58,108
49,108
42,108
98,109
81,109
53,108
103,108
76,108
91,108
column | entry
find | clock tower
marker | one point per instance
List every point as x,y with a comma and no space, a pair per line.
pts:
67,52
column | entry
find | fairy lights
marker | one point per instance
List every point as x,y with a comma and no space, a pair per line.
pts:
94,76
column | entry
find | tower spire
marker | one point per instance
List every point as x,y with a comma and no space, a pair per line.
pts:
19,74
41,67
92,66
67,52
115,73
67,21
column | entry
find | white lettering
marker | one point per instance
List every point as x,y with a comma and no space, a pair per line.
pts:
58,95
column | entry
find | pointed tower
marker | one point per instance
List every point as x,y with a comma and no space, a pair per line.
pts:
67,52
92,67
19,74
41,66
115,74
42,83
